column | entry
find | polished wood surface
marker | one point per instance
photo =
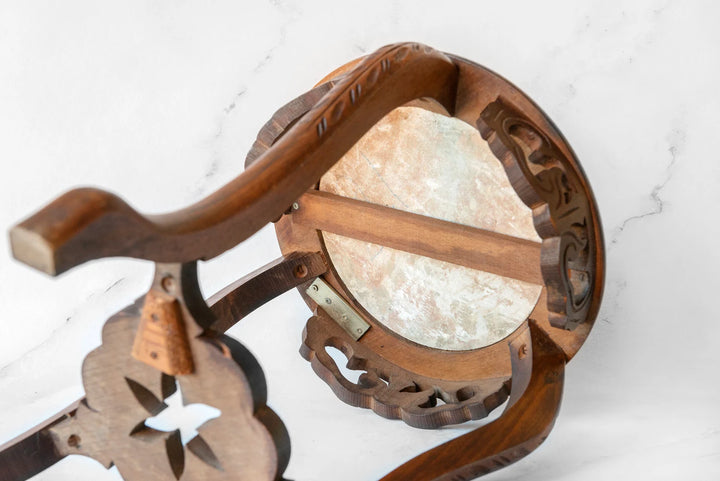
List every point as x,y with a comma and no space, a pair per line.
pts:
467,246
232,303
473,104
172,338
248,441
35,450
538,378
87,224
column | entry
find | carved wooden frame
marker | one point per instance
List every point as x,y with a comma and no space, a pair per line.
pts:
546,175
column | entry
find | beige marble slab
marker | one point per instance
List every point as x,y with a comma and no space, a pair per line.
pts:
429,164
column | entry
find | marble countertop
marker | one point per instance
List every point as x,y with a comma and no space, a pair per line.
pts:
159,102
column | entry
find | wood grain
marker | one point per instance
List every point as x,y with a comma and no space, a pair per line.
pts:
35,450
235,301
161,340
401,379
80,429
88,224
477,89
392,391
247,442
538,378
463,245
546,181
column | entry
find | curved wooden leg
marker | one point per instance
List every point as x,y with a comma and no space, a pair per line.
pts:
538,371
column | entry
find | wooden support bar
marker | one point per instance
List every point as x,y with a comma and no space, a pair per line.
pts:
459,244
243,296
538,375
35,450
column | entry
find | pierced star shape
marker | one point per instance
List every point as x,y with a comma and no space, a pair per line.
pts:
178,416
176,423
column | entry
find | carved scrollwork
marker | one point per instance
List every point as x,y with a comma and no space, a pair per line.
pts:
544,180
391,391
248,441
387,59
547,181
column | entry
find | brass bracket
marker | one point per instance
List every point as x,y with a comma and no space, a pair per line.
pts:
336,307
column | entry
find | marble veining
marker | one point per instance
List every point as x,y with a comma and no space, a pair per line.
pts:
676,138
426,163
159,102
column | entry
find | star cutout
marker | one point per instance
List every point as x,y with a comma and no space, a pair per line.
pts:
177,424
179,416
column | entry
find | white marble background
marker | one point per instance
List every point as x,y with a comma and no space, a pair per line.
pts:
159,102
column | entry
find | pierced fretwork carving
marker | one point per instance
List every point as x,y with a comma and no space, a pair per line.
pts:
546,180
394,392
248,441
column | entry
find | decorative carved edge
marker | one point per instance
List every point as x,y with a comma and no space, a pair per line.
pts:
391,391
328,105
396,393
387,389
547,182
372,69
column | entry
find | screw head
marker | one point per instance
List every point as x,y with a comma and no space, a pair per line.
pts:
73,441
301,271
315,288
295,206
328,300
168,284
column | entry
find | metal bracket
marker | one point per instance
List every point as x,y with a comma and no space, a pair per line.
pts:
336,307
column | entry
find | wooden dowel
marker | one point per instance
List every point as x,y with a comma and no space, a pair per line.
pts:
459,244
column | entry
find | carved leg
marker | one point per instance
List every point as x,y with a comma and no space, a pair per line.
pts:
246,442
538,372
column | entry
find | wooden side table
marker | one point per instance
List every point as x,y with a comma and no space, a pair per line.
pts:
436,223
